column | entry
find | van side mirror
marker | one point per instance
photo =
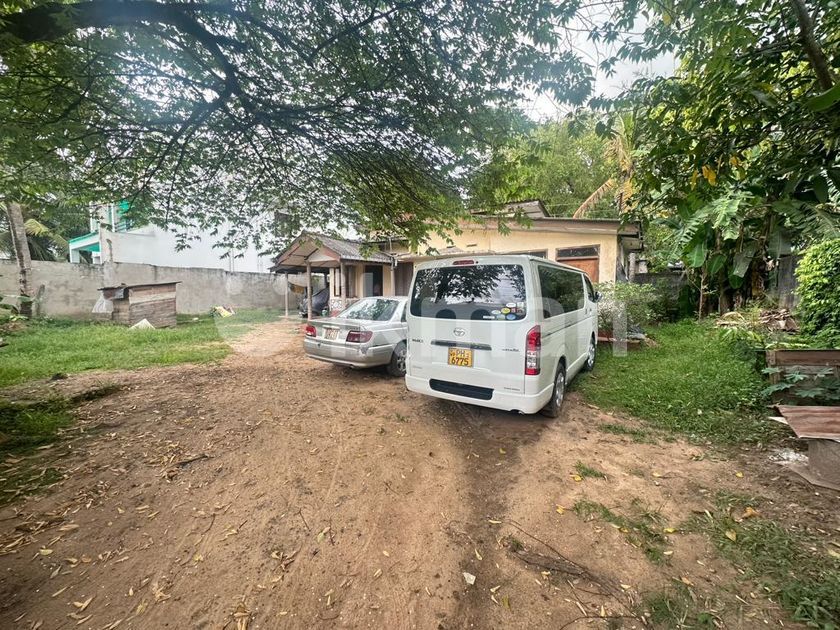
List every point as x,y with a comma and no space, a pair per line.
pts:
597,296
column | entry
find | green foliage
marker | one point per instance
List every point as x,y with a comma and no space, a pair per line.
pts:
46,347
643,304
819,289
818,388
642,527
791,565
638,435
690,382
586,471
357,112
560,162
24,426
675,607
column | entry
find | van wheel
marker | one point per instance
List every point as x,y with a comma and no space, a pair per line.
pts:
555,405
590,356
397,365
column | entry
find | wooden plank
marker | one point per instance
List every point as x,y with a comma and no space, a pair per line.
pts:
813,422
826,358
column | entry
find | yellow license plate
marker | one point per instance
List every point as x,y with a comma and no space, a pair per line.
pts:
330,333
461,357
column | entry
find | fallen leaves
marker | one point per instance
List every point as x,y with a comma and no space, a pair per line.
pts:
731,534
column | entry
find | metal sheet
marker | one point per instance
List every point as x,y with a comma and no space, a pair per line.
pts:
813,422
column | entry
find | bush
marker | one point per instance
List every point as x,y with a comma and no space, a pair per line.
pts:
643,303
819,291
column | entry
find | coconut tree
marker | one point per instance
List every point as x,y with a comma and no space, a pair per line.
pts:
619,151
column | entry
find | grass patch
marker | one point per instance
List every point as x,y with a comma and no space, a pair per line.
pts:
46,347
638,435
690,382
643,528
27,426
675,608
791,565
587,471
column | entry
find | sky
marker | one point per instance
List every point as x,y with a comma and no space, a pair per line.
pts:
542,106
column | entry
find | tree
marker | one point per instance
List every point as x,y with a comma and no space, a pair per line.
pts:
559,162
353,112
738,152
21,251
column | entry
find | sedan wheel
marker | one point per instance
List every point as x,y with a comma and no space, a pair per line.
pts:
397,365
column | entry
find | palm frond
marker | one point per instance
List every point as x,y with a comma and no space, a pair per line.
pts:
594,198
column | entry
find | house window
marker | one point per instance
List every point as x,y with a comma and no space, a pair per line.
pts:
590,251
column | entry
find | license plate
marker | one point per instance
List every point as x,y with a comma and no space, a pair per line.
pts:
461,357
330,333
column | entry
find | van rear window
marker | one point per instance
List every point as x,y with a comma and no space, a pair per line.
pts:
482,292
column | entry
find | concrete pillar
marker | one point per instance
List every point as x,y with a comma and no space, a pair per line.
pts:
286,293
309,290
342,279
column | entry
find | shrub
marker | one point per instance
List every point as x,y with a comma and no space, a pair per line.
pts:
642,302
819,291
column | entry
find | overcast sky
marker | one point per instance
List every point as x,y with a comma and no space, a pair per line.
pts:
541,107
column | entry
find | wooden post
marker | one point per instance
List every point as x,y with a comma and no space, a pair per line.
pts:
286,294
343,284
309,290
20,245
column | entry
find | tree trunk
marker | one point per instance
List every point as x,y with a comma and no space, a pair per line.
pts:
20,245
812,46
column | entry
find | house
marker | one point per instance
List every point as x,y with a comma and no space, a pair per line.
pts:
604,248
114,238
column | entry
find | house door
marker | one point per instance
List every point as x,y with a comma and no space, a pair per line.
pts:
587,259
373,280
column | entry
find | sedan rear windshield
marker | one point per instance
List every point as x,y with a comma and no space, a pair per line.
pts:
483,292
372,309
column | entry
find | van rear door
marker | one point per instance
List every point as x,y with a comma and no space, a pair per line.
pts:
468,324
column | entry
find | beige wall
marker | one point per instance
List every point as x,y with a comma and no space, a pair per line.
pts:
543,236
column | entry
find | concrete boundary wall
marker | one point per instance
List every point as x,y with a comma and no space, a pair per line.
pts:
66,289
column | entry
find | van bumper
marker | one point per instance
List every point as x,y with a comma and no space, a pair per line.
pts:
506,401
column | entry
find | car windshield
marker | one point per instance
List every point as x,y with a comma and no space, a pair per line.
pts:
371,309
485,292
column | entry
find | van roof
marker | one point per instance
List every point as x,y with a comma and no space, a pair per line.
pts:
497,259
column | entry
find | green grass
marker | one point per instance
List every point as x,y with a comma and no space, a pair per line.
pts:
587,471
27,426
638,435
643,528
690,382
676,608
43,348
793,567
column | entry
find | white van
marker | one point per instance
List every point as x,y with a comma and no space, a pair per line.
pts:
507,332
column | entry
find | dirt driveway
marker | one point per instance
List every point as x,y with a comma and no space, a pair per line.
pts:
270,491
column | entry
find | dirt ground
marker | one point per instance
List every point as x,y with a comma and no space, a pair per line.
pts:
271,491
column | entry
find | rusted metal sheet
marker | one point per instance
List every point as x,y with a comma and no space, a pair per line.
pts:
813,422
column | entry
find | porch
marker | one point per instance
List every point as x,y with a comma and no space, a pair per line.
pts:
350,270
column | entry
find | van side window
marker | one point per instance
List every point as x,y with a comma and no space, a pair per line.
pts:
561,291
590,291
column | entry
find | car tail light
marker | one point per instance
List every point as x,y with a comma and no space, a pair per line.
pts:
459,263
310,331
359,336
533,343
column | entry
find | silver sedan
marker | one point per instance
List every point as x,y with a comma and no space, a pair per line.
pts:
368,333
